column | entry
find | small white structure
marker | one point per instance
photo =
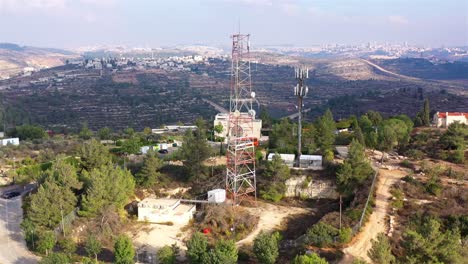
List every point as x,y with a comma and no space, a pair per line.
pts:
2,134
162,146
288,159
165,210
311,161
145,149
9,141
217,196
444,119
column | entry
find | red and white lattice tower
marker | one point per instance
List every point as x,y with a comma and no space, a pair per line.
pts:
240,154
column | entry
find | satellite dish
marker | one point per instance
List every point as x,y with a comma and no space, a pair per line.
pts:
252,112
237,113
252,94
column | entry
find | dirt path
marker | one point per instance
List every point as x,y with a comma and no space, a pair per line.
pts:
271,217
376,224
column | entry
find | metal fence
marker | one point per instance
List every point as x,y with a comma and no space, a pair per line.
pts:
66,222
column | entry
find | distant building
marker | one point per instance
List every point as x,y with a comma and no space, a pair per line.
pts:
223,119
288,159
444,119
165,210
217,196
311,161
9,141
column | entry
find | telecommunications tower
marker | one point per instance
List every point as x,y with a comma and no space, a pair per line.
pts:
240,154
300,91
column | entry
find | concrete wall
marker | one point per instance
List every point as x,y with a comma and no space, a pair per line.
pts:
318,188
223,119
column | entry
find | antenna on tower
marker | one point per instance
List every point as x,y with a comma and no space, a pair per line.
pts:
301,73
240,154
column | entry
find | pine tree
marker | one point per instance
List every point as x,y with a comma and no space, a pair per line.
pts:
49,203
266,247
195,150
197,248
108,185
123,250
381,251
426,113
93,155
149,174
93,246
325,136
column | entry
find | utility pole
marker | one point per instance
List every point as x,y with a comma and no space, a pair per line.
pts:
341,202
300,91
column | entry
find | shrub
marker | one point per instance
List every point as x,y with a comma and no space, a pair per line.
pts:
266,247
321,235
345,235
166,255
55,258
309,259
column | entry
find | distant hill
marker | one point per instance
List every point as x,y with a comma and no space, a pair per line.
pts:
14,58
425,69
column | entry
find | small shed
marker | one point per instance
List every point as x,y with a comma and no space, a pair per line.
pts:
288,159
9,141
163,210
311,161
217,196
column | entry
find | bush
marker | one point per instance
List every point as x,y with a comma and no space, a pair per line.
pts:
397,198
345,235
197,248
123,250
166,255
55,258
309,259
321,235
266,247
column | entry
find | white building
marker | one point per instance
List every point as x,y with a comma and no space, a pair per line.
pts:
288,159
444,119
9,141
217,196
254,131
311,161
165,210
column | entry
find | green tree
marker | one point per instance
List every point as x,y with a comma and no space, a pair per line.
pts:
266,247
345,235
123,250
224,252
321,235
55,258
195,150
30,232
426,113
129,132
454,141
311,258
93,246
325,136
272,185
93,155
30,132
46,242
218,128
49,203
149,173
85,132
132,145
282,137
104,133
358,135
64,174
381,251
374,117
107,185
354,170
425,242
166,255
197,248
68,246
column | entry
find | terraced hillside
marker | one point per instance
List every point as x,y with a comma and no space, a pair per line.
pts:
151,97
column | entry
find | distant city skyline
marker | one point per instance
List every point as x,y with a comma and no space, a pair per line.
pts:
146,23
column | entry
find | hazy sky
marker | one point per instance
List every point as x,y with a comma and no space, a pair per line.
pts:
151,23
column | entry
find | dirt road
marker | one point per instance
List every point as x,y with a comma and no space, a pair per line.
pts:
271,217
376,224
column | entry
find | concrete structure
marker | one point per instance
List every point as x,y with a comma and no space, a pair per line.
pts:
311,161
9,141
444,119
223,119
288,159
2,134
165,210
217,196
311,188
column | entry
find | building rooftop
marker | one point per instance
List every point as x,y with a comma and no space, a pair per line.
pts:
158,202
444,114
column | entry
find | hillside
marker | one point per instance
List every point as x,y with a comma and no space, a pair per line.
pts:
14,58
148,97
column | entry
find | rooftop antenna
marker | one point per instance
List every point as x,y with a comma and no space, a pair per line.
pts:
301,73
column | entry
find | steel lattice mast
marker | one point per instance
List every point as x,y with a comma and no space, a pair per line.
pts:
240,172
